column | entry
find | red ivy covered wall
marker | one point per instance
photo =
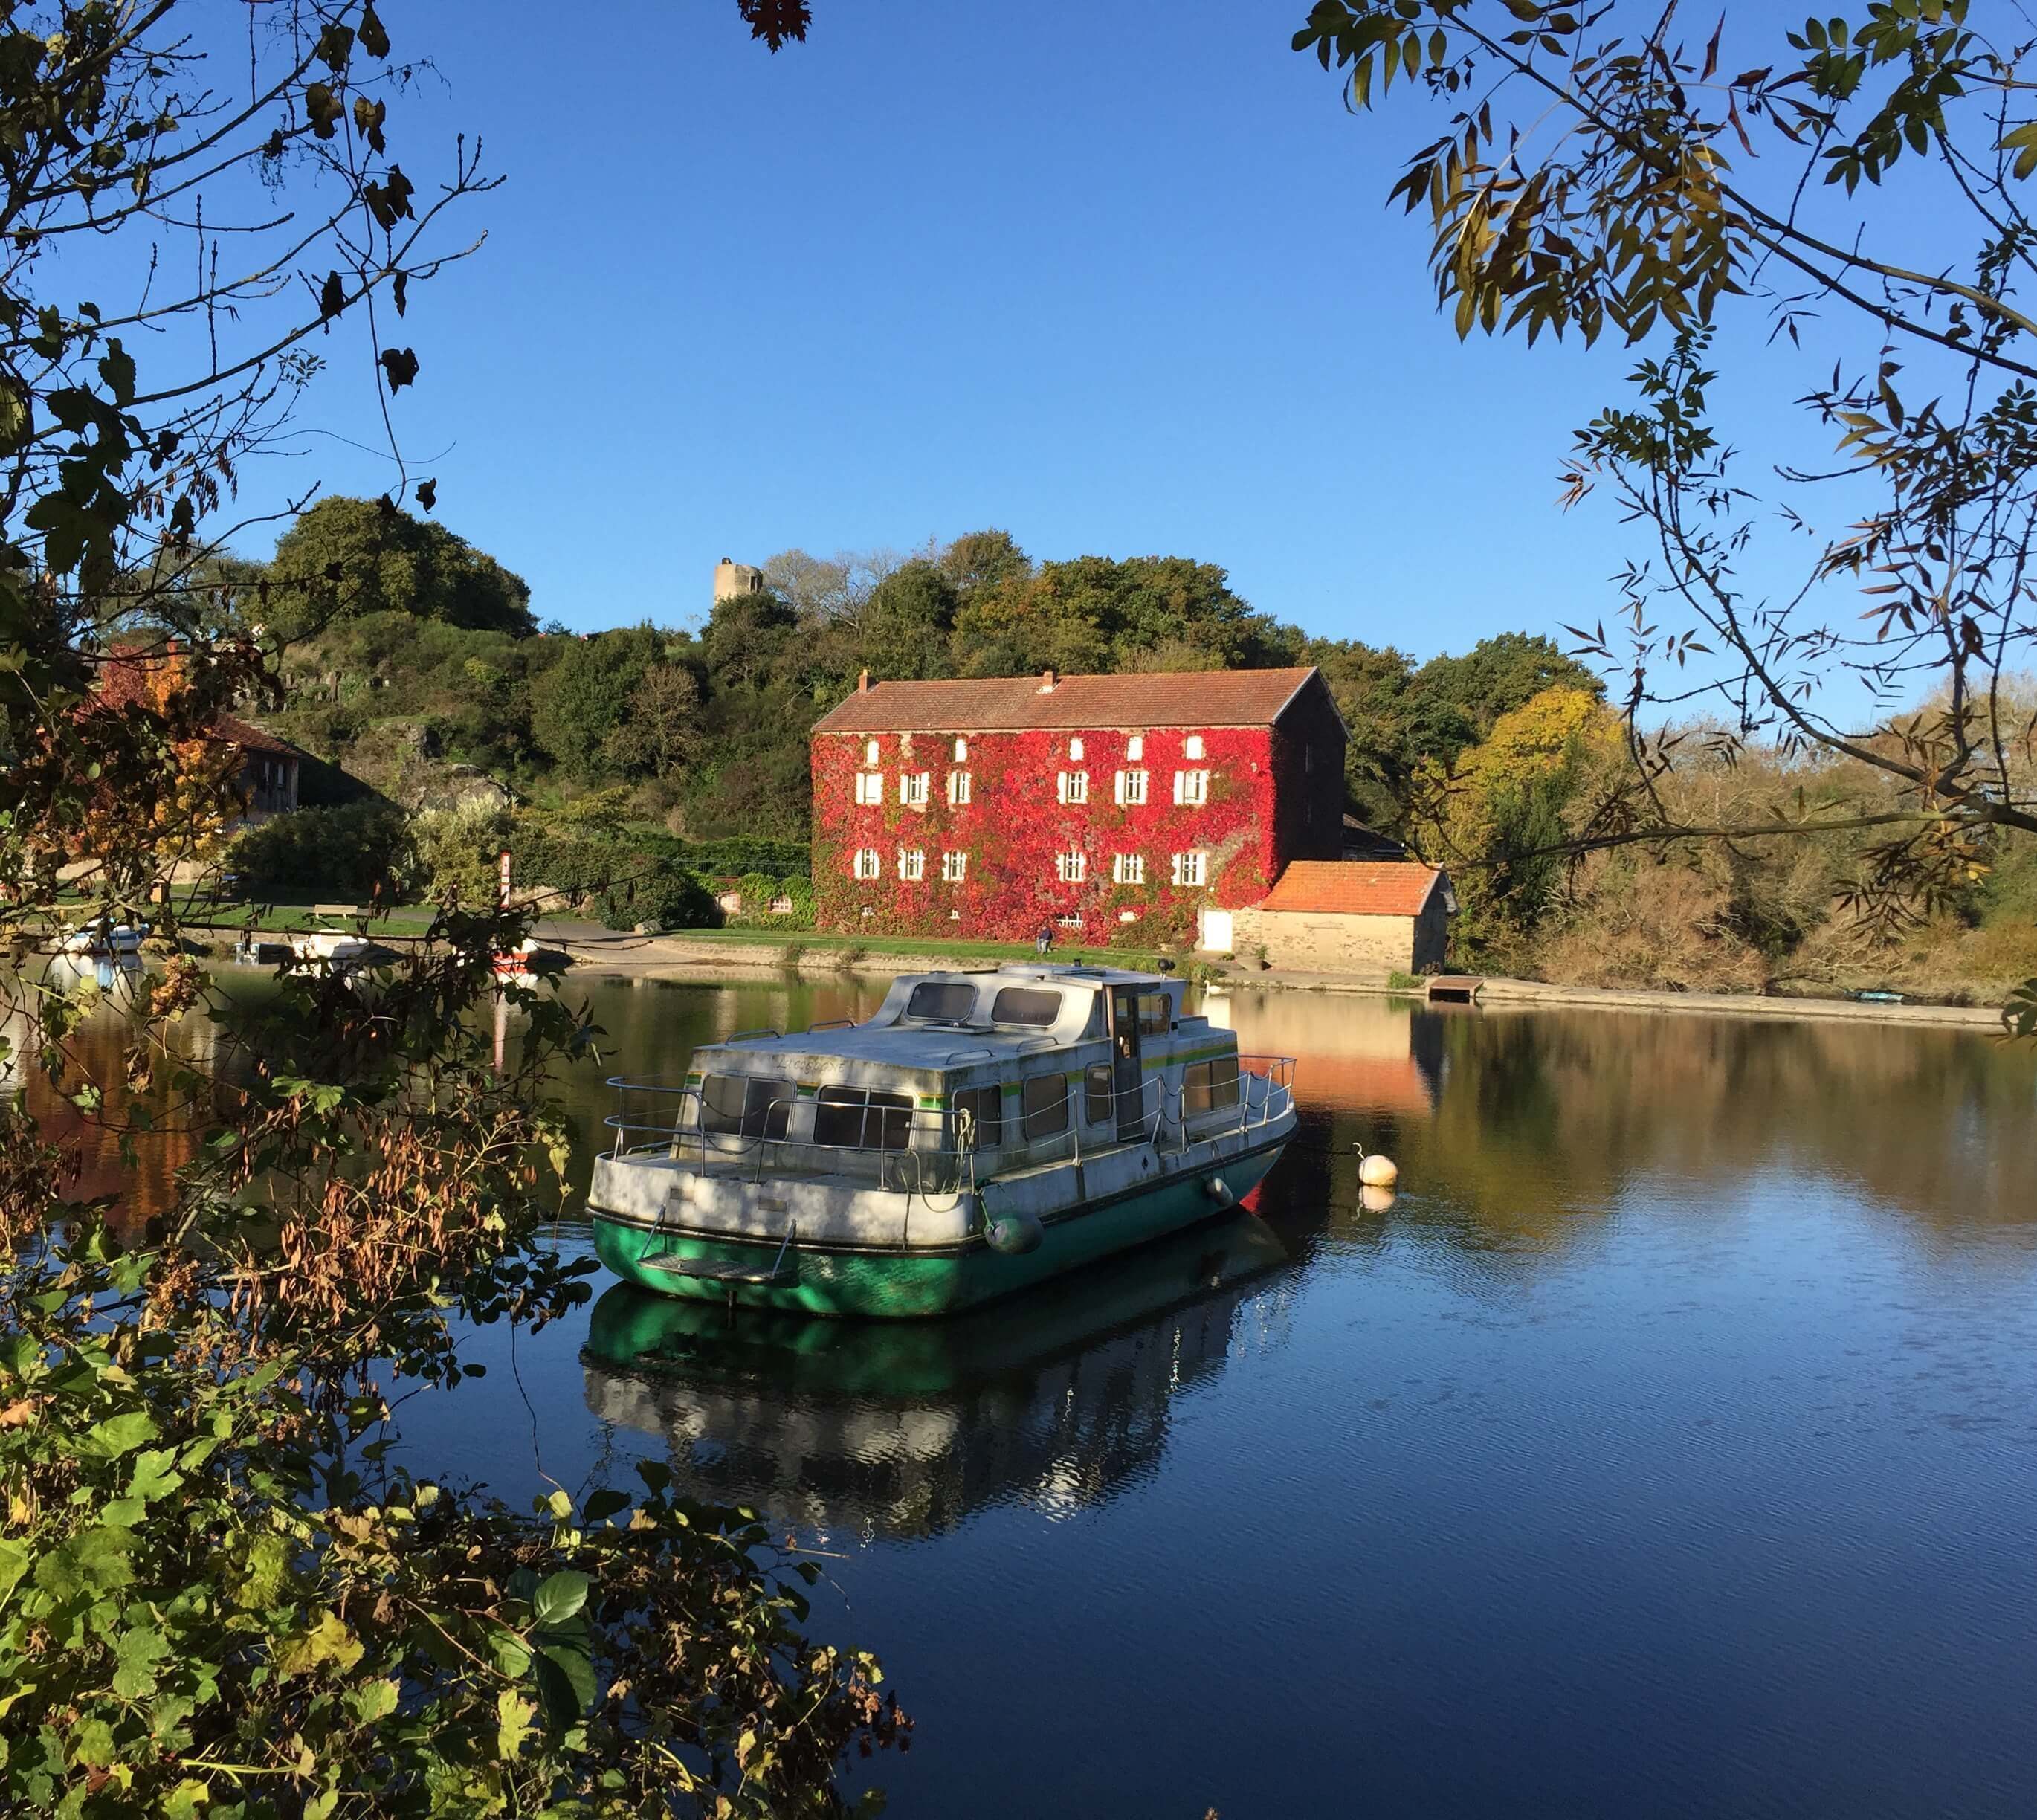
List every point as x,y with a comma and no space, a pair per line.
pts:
1015,825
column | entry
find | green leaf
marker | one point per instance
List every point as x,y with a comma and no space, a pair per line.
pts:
565,1683
261,1578
13,1565
375,1699
137,1652
117,1435
604,1504
155,1476
559,1598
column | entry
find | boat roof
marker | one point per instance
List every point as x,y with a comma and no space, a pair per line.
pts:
894,1037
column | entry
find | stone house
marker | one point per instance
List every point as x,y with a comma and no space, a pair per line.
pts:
1132,808
1349,915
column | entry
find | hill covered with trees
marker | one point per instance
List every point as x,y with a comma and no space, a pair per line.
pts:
420,672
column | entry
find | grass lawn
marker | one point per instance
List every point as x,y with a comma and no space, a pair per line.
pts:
1139,959
402,919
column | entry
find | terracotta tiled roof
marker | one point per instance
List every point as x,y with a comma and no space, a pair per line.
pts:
250,738
1353,887
1019,704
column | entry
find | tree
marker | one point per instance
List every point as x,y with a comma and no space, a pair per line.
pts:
1497,815
1600,171
981,558
660,732
907,627
746,637
1099,613
578,705
205,1606
359,556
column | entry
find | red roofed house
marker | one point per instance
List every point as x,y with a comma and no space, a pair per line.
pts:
1350,916
268,779
142,674
1108,807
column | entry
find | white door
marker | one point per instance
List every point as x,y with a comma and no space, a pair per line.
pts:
1216,936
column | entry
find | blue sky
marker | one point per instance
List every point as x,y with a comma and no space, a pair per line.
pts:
1119,279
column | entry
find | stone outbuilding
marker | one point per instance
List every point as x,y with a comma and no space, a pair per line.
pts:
1349,915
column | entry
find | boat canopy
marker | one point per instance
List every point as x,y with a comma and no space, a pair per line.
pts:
955,1026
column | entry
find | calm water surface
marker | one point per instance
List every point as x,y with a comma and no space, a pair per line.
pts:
1669,1447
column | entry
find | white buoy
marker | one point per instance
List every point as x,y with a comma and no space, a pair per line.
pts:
1375,1200
1376,1171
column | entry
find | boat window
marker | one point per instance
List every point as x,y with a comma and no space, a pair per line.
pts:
980,1113
745,1105
951,999
1024,1004
1099,1094
1208,1086
1154,1017
855,1118
1046,1105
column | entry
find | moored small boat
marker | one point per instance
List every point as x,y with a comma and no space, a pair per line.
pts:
101,938
982,1133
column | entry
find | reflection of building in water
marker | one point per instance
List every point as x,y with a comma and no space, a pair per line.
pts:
142,1183
905,1429
1361,1055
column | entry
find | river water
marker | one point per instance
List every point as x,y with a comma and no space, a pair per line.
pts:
1667,1446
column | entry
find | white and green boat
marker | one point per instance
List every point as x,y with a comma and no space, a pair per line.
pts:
981,1132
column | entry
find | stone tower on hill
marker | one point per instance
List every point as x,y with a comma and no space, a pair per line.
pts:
732,580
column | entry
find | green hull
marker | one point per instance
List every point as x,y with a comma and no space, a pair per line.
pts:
903,1285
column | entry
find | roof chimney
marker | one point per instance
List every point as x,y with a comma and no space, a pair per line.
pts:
1048,679
863,683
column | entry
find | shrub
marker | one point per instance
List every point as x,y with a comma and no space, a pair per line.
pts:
664,897
457,851
352,851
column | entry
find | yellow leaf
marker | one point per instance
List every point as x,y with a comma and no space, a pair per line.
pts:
331,1639
513,1714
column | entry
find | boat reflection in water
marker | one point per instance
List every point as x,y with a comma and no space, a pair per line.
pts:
905,1429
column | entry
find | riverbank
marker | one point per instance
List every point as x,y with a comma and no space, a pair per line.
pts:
713,953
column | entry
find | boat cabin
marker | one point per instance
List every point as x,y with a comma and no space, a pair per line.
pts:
959,1076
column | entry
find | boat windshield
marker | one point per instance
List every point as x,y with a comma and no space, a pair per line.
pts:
1028,1005
947,1001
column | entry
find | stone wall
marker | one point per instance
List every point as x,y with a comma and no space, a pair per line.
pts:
1321,943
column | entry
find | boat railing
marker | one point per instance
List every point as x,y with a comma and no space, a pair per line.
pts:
942,1150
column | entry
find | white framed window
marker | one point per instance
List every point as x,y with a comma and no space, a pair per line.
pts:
958,788
1131,787
1072,867
1192,787
955,867
871,753
913,787
1135,748
1191,868
869,787
912,864
1075,749
869,864
1192,748
1074,786
961,751
1127,869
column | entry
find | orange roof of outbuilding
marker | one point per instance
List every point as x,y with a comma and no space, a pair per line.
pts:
1021,704
1353,887
230,731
